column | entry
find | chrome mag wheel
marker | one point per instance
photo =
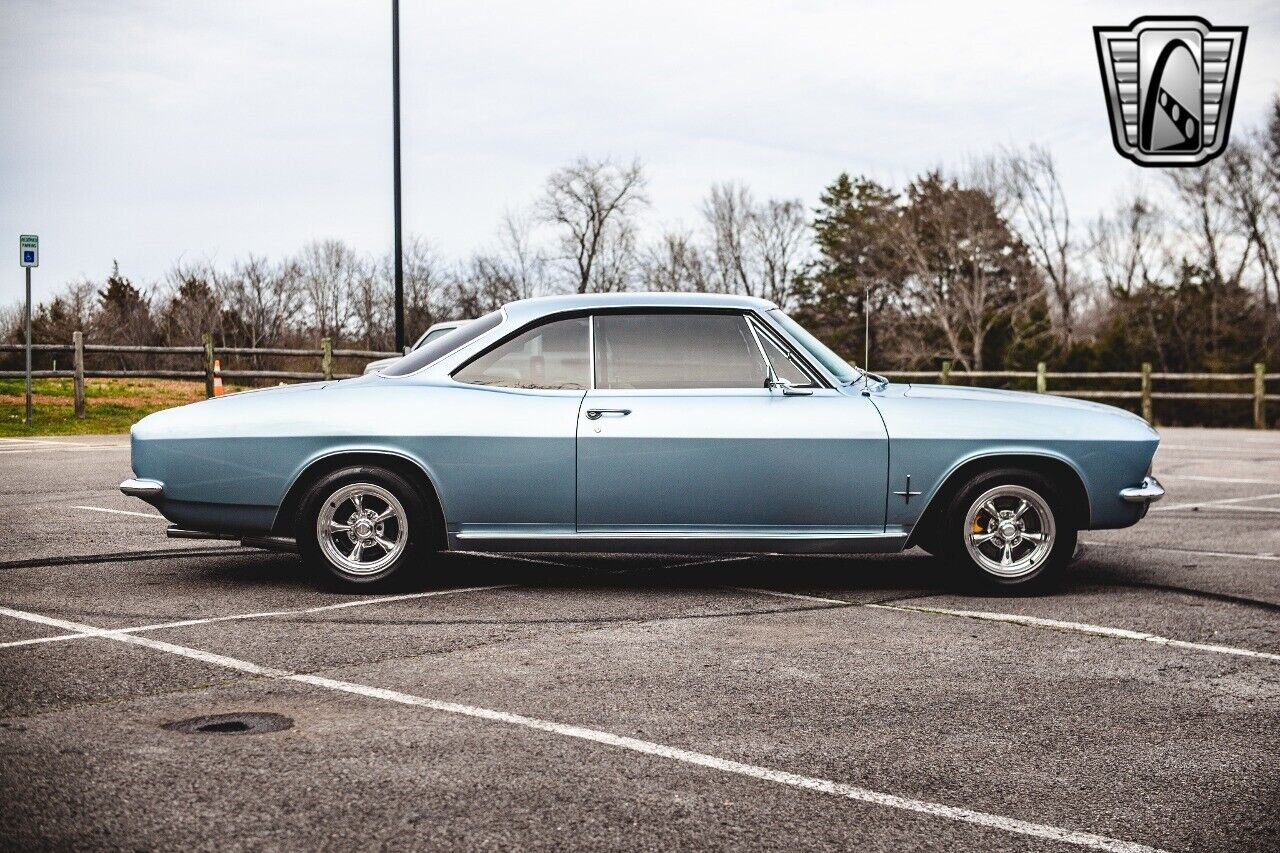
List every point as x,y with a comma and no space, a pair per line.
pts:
1009,531
362,528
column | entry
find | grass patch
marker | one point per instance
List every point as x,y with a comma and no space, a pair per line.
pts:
111,405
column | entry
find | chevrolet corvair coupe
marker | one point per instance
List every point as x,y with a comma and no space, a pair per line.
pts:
643,422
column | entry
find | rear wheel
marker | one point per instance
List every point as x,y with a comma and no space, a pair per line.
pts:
1009,527
362,525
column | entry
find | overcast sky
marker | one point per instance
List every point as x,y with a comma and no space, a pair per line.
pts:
149,131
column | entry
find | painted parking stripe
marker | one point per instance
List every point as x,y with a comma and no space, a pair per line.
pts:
671,753
4,442
1212,508
1080,628
1218,502
61,448
1254,450
121,511
1036,622
1200,479
1234,555
386,599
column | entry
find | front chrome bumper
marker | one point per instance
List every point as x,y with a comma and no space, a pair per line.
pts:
1149,492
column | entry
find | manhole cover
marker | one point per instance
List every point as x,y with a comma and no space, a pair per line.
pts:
232,724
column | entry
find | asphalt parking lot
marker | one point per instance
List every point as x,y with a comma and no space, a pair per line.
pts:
785,703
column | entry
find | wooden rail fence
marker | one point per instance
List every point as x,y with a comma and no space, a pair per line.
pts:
208,353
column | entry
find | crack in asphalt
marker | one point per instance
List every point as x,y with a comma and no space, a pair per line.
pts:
1243,601
121,557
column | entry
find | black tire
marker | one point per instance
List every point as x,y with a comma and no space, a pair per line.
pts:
1032,563
334,494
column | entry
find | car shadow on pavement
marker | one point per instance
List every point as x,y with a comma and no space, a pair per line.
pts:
858,578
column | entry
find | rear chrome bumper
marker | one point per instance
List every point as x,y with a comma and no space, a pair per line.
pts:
1149,492
142,488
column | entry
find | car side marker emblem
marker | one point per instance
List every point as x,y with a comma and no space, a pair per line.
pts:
907,494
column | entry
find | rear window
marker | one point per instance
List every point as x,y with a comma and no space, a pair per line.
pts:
443,345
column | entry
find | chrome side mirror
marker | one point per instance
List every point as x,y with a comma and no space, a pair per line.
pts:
788,389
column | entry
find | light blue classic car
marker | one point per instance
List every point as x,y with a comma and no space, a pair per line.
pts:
643,422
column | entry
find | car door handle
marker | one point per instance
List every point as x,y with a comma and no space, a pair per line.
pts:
597,414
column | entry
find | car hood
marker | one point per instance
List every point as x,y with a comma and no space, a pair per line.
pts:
998,395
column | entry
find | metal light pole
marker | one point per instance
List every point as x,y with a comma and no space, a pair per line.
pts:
398,263
27,420
28,257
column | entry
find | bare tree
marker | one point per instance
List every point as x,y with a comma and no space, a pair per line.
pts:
193,305
426,284
728,210
1208,219
329,271
265,298
1039,207
525,262
372,304
1127,246
675,263
780,236
1253,196
593,204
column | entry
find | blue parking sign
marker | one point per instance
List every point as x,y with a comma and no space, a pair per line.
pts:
29,250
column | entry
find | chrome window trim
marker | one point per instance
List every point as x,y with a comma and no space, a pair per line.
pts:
591,351
802,355
771,377
758,329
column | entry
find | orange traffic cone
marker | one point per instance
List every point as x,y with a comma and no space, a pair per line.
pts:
217,377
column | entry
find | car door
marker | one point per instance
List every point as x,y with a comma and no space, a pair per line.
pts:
507,465
681,433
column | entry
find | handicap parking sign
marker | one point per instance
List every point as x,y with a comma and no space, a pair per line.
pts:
29,250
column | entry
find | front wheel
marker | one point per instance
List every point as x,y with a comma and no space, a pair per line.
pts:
1010,527
362,524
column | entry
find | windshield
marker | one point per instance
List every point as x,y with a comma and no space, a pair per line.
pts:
434,335
836,365
443,345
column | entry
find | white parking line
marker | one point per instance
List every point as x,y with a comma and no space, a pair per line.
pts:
7,441
1212,508
386,599
671,753
77,448
1034,622
1200,449
1218,502
1201,479
1080,628
1235,555
121,511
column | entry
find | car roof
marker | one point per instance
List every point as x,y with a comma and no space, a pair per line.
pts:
528,309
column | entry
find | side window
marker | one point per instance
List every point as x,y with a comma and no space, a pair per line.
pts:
784,365
553,355
676,351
